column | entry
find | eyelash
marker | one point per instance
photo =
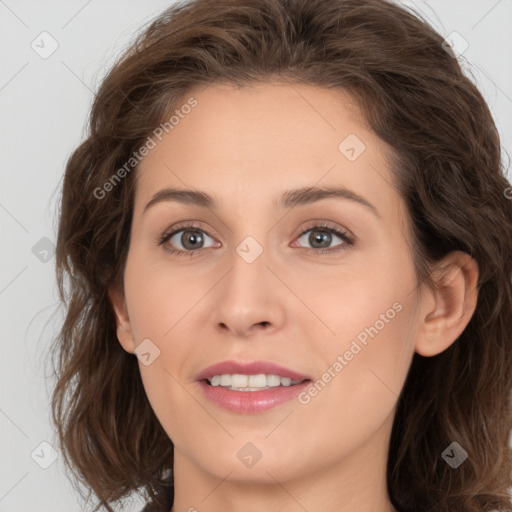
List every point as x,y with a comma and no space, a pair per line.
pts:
348,240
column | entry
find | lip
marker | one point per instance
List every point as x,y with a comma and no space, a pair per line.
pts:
250,402
250,368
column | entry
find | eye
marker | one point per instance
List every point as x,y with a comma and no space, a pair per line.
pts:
188,239
322,235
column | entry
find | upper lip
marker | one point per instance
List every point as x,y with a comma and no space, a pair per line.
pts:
249,368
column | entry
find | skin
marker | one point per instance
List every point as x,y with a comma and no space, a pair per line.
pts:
246,147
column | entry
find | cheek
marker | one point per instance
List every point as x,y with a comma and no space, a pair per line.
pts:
362,378
360,304
161,304
368,359
351,294
159,296
370,312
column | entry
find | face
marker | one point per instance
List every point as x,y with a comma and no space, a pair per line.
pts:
322,285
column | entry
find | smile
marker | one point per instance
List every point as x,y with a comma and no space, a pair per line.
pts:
241,382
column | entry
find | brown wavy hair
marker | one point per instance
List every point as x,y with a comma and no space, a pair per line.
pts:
447,166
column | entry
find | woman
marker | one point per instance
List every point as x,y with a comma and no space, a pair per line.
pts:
285,252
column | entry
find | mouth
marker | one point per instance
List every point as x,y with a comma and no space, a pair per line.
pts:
254,382
250,375
248,388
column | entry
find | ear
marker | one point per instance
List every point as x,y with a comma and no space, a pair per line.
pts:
449,308
123,325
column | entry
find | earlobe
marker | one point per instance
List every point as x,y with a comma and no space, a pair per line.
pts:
454,299
123,325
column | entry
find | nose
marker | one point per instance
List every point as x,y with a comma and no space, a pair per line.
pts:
249,299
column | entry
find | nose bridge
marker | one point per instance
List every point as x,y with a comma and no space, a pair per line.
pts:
246,296
250,250
248,265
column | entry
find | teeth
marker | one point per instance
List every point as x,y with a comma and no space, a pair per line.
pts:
273,380
254,381
241,382
237,381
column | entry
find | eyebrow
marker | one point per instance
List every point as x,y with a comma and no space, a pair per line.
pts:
290,199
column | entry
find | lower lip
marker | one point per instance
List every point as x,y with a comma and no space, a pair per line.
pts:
250,402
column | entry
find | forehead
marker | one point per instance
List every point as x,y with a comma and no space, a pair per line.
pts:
243,143
265,120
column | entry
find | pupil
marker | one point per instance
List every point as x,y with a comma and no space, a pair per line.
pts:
323,238
195,238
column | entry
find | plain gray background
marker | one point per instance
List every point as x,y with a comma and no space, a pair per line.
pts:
44,103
